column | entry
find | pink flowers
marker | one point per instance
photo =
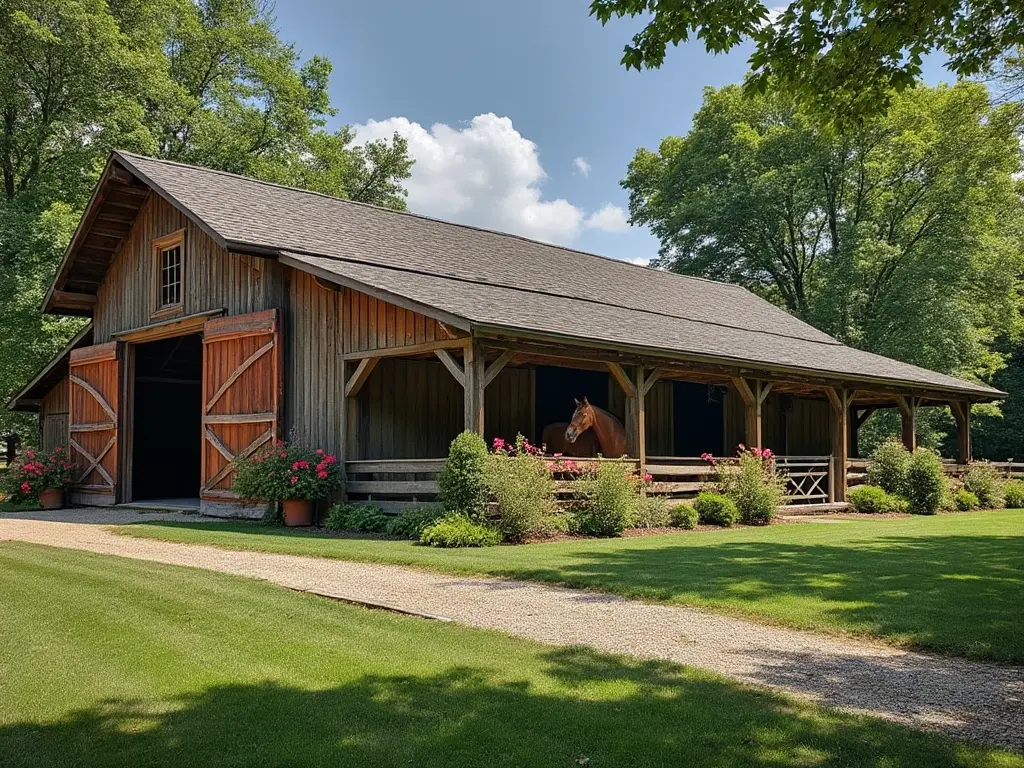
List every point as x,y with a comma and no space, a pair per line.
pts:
301,464
293,479
498,445
26,487
648,477
322,474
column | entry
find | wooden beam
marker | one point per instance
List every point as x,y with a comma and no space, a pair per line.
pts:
622,378
407,350
71,300
473,389
962,414
640,417
361,374
652,379
452,365
753,392
908,413
496,367
840,400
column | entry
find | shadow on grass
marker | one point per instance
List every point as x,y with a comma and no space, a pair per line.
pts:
588,709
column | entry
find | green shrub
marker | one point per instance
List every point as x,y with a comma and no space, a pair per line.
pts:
754,486
716,509
888,468
524,490
605,498
455,530
874,500
281,471
684,516
1014,490
983,480
462,482
965,501
365,518
410,523
652,512
926,483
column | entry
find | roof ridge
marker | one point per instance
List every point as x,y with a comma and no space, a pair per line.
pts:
471,281
446,222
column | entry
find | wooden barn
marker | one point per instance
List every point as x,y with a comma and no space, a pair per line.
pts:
224,312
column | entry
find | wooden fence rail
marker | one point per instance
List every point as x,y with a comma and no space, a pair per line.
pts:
397,483
857,470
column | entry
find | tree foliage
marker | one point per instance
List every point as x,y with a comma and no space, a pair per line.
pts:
207,82
902,237
844,60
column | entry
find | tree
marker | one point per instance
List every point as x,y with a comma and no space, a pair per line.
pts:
843,59
903,237
207,82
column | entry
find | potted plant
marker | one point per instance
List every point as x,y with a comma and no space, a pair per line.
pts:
44,478
294,475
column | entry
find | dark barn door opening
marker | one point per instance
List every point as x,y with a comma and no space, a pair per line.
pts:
167,419
557,387
699,418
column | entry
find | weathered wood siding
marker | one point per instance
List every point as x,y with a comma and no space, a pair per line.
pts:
370,324
509,405
314,387
793,426
53,417
213,278
660,408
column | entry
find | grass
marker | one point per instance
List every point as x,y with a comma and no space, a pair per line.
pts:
113,662
951,583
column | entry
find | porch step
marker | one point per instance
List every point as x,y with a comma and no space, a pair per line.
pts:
817,509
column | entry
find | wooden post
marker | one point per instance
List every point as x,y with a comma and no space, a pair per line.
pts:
640,417
962,414
473,389
857,418
840,400
632,424
753,392
908,413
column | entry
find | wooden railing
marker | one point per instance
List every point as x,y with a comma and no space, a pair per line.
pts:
397,483
857,470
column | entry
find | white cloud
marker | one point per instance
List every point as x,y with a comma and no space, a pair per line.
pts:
609,218
582,166
483,173
774,12
640,261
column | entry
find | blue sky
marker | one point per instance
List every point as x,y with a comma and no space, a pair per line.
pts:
500,99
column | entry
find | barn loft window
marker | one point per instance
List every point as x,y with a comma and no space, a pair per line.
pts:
168,273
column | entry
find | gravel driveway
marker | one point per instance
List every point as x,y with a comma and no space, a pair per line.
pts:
962,698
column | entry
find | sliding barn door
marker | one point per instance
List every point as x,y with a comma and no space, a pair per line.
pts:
242,394
94,384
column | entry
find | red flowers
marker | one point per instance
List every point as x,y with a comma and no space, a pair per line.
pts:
300,465
287,471
26,487
37,472
322,475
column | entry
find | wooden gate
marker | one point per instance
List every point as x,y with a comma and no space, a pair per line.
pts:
94,378
242,394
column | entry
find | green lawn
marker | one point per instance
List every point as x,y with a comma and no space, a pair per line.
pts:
951,583
113,662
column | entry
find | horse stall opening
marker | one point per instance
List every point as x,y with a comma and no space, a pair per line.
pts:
167,419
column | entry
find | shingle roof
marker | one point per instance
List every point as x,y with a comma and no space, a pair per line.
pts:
505,281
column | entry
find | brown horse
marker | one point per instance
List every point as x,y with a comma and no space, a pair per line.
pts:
593,430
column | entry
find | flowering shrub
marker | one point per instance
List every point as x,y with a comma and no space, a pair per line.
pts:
752,483
461,484
521,482
606,498
284,472
25,480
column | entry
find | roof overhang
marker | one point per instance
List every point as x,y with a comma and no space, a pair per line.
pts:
31,396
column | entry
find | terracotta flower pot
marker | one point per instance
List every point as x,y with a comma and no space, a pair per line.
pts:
297,512
51,498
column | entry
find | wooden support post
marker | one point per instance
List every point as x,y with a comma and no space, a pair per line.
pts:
840,400
753,392
908,413
473,389
640,416
962,414
857,418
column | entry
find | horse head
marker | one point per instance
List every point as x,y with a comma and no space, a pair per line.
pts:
583,418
